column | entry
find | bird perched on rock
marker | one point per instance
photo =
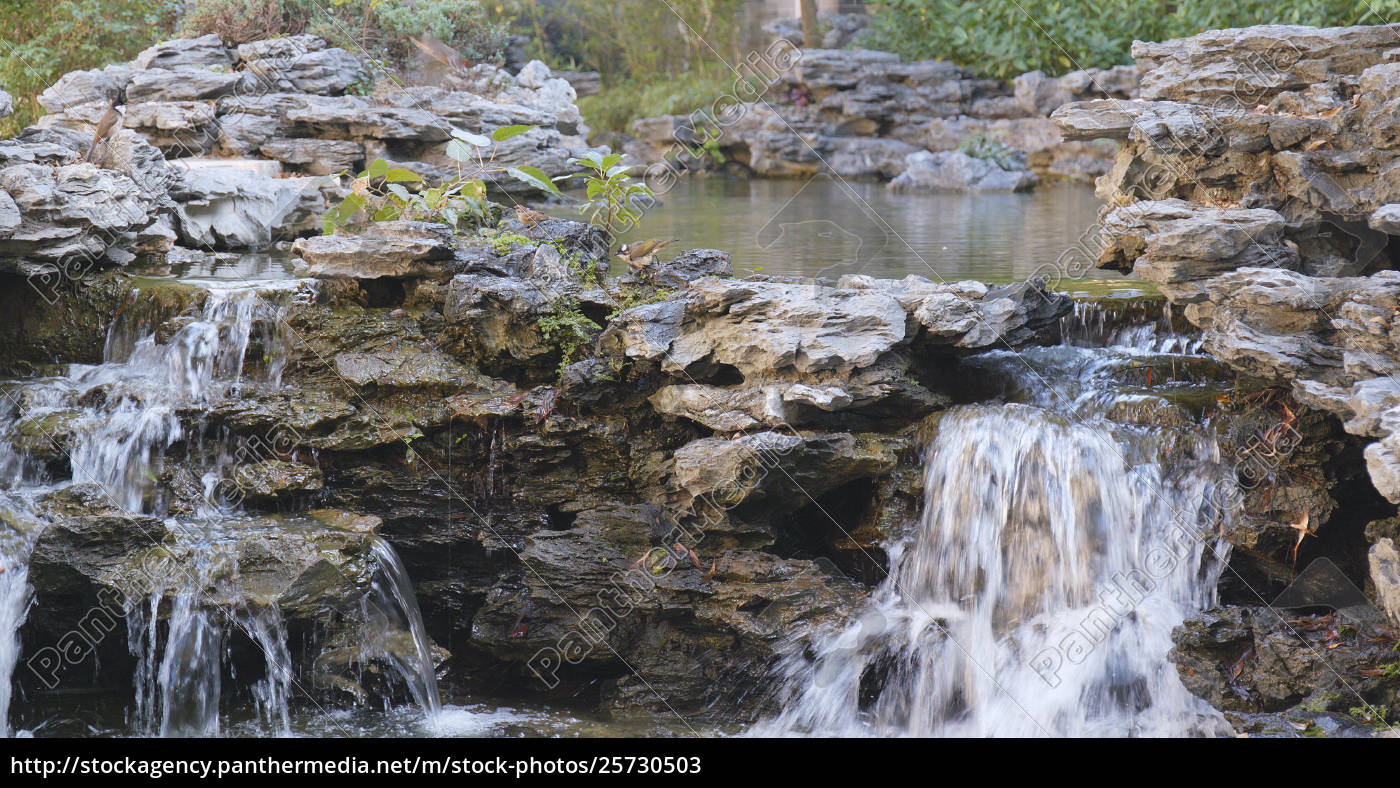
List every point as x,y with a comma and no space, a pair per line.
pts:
640,254
107,125
528,217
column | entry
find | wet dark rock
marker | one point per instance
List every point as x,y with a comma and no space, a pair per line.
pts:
268,481
87,541
1252,660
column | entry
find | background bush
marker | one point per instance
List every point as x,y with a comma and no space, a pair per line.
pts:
1004,38
45,40
378,27
654,60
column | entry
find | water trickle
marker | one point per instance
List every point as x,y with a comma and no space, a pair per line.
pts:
391,612
121,417
15,598
1056,551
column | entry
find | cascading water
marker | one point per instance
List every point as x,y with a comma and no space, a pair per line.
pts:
15,599
124,415
1057,549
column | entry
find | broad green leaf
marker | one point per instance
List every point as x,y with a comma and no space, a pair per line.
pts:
400,175
534,177
506,132
376,169
399,191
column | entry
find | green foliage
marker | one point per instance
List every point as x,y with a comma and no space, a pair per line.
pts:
629,296
614,201
1004,38
43,41
637,39
568,329
380,28
708,146
990,147
501,242
617,105
383,192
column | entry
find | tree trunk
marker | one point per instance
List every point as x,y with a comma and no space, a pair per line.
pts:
811,31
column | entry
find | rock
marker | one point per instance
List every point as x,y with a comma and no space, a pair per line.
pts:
386,249
1251,660
268,481
87,541
96,86
1097,119
1385,575
1179,246
316,157
184,85
689,265
74,219
584,83
1386,219
1038,94
838,29
186,54
319,71
956,171
1246,67
7,105
231,207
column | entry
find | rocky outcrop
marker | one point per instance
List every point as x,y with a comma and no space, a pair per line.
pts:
62,218
957,171
748,354
237,121
1255,187
858,113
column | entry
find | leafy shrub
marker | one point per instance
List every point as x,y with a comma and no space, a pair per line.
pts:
380,28
238,21
992,148
46,40
1003,38
617,105
656,58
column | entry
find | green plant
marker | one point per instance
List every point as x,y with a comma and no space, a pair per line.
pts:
613,201
991,148
568,329
624,100
43,41
629,296
382,191
1003,38
708,146
1372,715
378,28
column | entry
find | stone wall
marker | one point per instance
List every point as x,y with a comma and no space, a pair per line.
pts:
858,113
1258,186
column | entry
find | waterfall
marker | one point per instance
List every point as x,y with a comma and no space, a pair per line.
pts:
14,604
389,609
124,415
1036,595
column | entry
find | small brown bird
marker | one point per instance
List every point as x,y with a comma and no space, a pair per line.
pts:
106,126
528,217
441,52
640,254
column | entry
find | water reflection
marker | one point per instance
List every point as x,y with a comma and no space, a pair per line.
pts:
831,228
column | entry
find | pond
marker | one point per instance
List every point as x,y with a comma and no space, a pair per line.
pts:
828,228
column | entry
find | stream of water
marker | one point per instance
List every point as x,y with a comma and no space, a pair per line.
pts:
121,417
1065,532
